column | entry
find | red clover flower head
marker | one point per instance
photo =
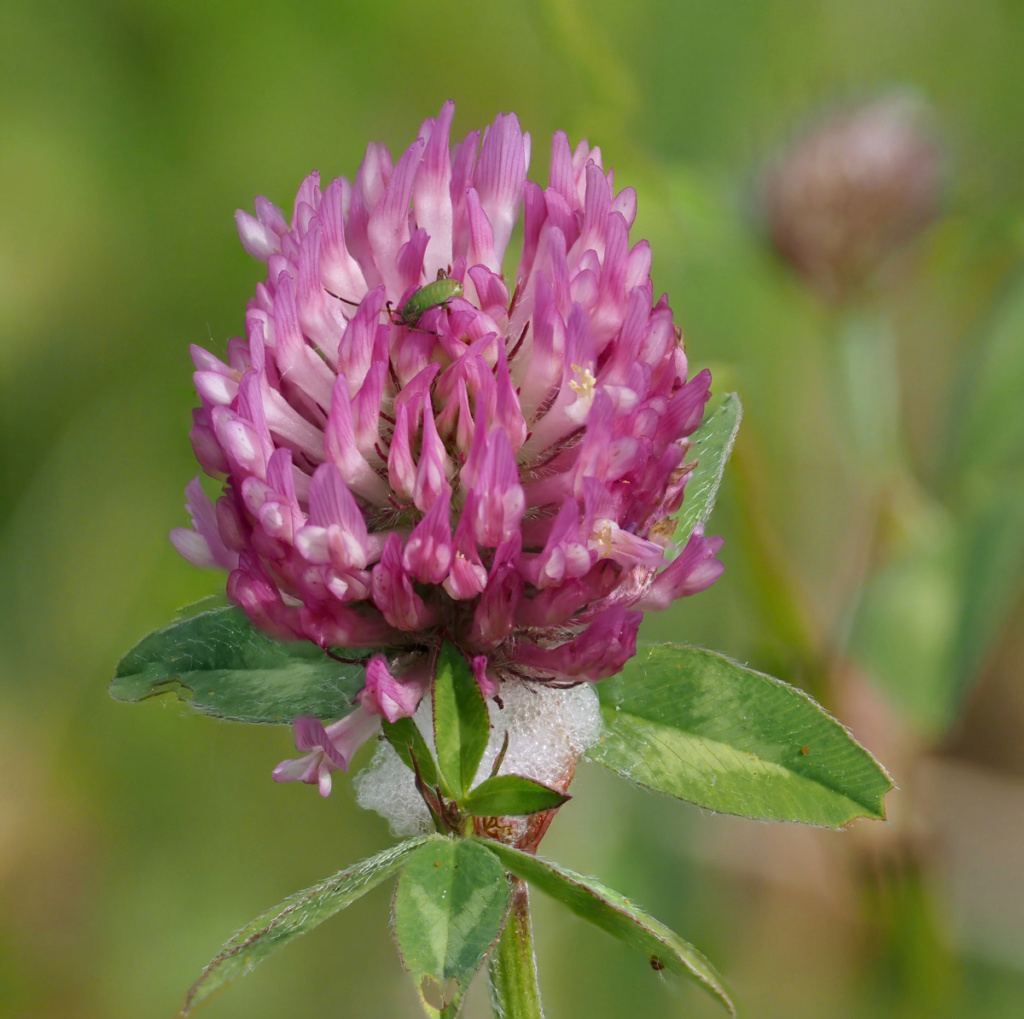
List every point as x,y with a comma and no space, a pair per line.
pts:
490,465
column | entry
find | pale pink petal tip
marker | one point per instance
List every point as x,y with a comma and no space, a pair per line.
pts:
330,749
204,546
489,686
695,570
389,696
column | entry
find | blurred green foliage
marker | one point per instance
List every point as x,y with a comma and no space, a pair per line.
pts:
134,839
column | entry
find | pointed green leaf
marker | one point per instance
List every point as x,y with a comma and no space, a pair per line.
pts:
614,914
712,444
991,534
694,724
404,735
461,722
986,475
449,909
297,914
988,422
221,665
511,795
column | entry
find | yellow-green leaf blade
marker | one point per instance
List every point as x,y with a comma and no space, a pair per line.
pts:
461,723
449,909
295,916
701,727
217,662
614,914
711,445
511,795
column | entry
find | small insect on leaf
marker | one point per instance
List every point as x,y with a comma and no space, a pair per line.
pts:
805,750
432,295
656,964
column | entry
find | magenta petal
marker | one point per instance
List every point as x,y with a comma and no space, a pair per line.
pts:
391,697
330,749
489,686
431,196
393,592
499,177
203,546
495,615
429,549
696,569
598,652
401,468
499,501
467,576
431,480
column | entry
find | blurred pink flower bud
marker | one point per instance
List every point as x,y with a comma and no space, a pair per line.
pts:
851,191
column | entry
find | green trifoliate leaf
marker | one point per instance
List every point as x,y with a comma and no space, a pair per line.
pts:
510,795
409,744
296,915
614,914
461,723
221,665
712,444
696,725
449,909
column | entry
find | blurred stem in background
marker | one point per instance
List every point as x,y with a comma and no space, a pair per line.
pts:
838,204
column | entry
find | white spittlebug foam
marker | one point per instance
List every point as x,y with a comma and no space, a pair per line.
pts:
548,731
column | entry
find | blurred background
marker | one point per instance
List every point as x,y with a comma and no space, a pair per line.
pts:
834,197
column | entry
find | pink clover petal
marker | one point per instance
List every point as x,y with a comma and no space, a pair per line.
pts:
386,695
495,615
388,228
428,551
499,502
341,448
261,236
598,652
393,592
467,576
203,547
431,480
489,686
330,749
334,512
431,195
554,606
401,468
193,547
695,570
499,178
564,555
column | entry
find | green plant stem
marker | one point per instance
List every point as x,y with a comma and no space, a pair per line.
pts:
867,373
513,965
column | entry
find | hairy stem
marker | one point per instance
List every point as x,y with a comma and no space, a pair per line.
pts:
513,965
